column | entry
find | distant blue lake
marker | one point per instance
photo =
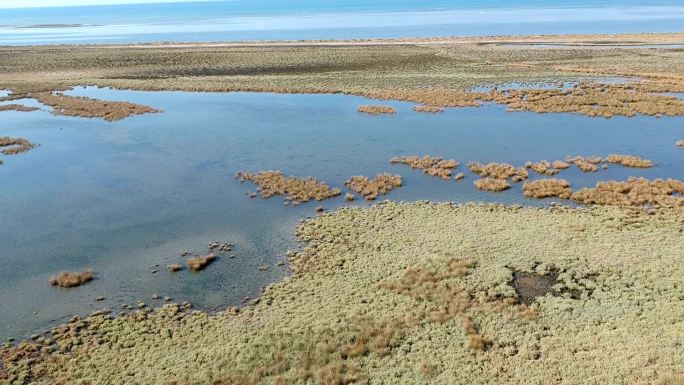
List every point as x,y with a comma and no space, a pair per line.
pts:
241,20
125,198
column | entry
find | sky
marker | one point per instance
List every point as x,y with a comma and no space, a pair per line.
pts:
57,3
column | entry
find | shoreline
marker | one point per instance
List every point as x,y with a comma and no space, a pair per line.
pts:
569,39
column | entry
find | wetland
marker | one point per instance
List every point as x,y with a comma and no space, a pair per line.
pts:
528,272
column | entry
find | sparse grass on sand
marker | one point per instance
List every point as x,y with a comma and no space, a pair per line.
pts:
413,294
199,262
294,189
371,188
71,279
13,146
376,110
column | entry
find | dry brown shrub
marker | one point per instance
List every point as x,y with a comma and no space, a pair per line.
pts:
174,267
560,165
588,164
544,188
492,184
629,161
448,299
633,192
15,145
432,109
671,379
432,166
337,372
199,262
71,279
90,108
371,188
498,170
376,110
477,342
17,107
294,189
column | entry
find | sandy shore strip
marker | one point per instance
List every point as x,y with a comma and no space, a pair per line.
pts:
415,293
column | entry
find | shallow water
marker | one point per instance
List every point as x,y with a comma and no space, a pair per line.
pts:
240,20
123,197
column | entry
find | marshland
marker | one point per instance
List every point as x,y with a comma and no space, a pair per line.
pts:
134,178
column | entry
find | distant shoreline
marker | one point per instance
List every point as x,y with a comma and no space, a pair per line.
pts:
578,40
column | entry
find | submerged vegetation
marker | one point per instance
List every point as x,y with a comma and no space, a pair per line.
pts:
295,190
432,166
371,188
368,302
71,279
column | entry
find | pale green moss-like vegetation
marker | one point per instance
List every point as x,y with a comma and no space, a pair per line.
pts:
414,294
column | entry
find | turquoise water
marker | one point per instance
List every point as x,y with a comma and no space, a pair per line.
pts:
241,20
126,196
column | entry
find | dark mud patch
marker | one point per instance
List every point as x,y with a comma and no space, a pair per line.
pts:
530,286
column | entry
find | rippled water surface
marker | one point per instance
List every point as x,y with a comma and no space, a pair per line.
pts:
125,197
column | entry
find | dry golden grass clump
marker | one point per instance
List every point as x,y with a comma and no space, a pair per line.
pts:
17,107
629,161
371,188
174,267
376,110
199,262
432,109
492,184
547,168
588,164
498,171
294,189
432,166
15,145
71,279
90,108
591,99
544,188
633,192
